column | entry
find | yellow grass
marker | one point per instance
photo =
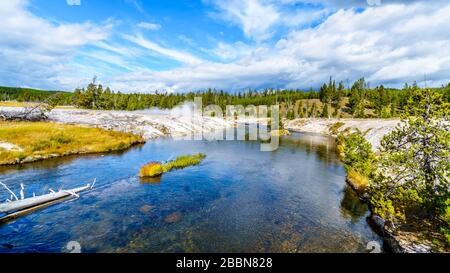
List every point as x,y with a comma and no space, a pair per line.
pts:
16,104
40,140
155,169
151,170
281,132
29,104
358,181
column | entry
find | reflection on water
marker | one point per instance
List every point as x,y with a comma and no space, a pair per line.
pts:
351,206
238,200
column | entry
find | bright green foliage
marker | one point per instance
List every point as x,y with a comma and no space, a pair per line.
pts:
415,156
417,152
357,96
290,114
358,154
183,162
394,208
325,112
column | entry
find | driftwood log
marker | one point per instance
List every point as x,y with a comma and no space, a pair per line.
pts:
37,200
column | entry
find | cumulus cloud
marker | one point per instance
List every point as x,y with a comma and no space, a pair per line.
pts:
389,44
255,18
36,52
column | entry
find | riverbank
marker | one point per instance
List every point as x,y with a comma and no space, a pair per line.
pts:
373,129
413,237
415,233
146,123
24,142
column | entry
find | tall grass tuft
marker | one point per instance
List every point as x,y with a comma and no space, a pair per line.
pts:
151,170
357,181
156,169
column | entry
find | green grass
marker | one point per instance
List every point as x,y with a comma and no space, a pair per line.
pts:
155,169
39,140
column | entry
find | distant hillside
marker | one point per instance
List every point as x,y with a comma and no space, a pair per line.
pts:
31,95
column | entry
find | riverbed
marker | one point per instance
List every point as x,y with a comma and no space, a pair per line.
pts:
239,199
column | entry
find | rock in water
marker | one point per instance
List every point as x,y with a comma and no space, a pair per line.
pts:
378,224
146,208
173,218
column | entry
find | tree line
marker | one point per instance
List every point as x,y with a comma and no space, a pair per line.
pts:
333,99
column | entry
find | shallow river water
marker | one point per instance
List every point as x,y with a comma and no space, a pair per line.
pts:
238,200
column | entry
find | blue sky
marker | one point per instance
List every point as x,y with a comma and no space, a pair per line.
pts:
178,46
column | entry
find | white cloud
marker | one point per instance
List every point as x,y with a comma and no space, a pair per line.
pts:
36,52
235,51
255,17
149,26
171,53
389,44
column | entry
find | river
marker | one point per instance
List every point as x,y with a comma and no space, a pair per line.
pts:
239,199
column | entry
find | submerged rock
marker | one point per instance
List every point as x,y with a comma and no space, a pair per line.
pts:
173,218
146,208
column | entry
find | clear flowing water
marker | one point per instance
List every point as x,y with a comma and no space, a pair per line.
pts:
238,200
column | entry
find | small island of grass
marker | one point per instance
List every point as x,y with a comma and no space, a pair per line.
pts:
154,169
34,141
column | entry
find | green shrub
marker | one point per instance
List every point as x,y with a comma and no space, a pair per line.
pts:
335,127
357,153
394,207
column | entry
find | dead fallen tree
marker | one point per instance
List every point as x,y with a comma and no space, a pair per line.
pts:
18,206
36,112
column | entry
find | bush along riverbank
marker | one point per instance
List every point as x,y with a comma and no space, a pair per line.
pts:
406,182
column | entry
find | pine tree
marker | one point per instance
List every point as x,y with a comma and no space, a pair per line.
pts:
325,113
416,155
